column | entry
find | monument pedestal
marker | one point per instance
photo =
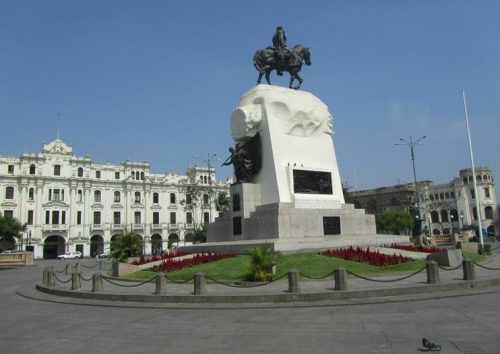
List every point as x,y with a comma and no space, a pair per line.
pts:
292,194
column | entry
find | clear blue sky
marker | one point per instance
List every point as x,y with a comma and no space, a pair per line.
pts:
158,80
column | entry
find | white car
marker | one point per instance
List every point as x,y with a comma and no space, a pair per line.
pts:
70,255
105,254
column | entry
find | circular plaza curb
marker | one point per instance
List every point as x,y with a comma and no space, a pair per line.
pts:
279,299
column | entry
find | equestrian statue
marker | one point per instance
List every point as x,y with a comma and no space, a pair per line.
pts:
280,58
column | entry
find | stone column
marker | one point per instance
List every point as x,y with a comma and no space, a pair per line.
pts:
432,272
340,279
293,281
199,283
468,268
161,284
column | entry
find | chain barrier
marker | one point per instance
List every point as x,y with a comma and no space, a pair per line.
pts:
179,281
482,266
89,267
62,281
60,271
128,286
454,268
245,286
385,280
317,278
84,279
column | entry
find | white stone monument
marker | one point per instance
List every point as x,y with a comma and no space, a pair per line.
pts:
295,200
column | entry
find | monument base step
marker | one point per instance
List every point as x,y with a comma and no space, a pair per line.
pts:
297,245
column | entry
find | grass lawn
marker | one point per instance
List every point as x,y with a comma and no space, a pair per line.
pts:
309,264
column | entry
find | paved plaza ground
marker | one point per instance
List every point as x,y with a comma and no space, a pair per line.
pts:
461,324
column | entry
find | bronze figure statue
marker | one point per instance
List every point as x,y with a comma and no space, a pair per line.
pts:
280,58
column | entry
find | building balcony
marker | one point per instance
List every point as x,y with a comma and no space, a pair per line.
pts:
55,227
137,226
173,226
97,227
189,226
117,226
157,226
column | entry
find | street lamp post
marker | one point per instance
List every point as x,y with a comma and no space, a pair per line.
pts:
462,219
411,144
451,218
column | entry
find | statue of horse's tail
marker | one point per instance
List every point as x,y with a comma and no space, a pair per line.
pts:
257,62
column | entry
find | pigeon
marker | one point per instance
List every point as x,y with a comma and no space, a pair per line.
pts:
430,345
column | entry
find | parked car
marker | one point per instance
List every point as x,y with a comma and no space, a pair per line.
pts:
70,255
105,254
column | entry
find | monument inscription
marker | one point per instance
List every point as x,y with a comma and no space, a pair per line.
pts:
331,225
312,182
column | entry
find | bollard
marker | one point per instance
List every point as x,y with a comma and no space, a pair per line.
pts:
340,280
75,281
51,279
45,278
78,268
432,272
96,283
293,281
200,283
468,267
68,266
161,284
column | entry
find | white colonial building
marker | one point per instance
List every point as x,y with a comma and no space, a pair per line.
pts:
73,204
445,207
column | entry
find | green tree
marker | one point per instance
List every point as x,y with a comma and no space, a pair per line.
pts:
10,227
222,203
129,244
200,234
393,221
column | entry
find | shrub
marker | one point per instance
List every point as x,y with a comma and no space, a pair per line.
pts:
262,261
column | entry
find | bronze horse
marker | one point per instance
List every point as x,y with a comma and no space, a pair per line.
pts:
265,61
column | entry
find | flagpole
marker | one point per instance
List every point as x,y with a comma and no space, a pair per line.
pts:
478,211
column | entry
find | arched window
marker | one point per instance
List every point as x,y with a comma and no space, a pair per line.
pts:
434,216
454,215
205,179
488,212
137,175
474,213
9,192
172,198
97,196
205,198
142,176
117,196
201,179
80,195
31,194
431,197
479,178
156,198
32,169
137,197
80,172
441,196
444,216
132,174
447,195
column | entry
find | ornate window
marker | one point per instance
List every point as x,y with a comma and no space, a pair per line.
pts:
434,216
57,170
97,196
31,194
32,169
172,198
137,197
156,198
9,192
117,197
488,212
79,172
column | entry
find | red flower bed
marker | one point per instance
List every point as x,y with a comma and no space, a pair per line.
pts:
366,256
174,264
143,260
419,248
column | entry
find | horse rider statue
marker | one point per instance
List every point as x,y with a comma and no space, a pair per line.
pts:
281,51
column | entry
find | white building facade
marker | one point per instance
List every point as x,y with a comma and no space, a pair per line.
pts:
445,207
70,203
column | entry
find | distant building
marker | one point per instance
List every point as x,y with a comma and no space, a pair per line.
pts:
73,204
444,208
